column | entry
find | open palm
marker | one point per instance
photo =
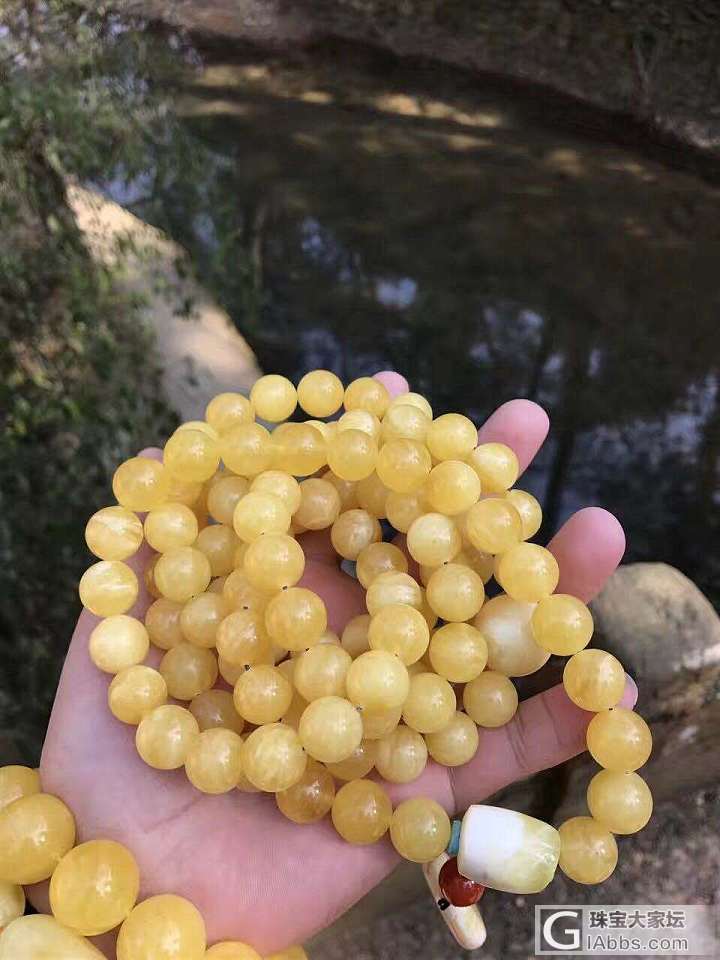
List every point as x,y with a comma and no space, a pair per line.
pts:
254,875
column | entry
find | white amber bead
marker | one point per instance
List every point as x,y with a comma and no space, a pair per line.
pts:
507,851
512,650
464,923
41,937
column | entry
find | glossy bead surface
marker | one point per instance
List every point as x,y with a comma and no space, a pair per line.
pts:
490,699
452,487
162,928
200,618
622,802
456,743
493,525
403,465
353,531
330,729
460,891
619,739
141,484
162,622
242,638
216,709
94,887
262,694
562,624
369,394
165,735
246,449
296,618
377,680
223,497
401,756
496,466
214,761
36,832
231,950
321,671
12,903
273,562
299,449
311,798
505,625
405,421
352,454
228,410
594,680
458,652
378,559
401,630
527,572
588,851
273,397
319,504
415,400
358,764
361,420
182,573
529,509
455,592
392,588
17,781
320,393
403,509
118,642
420,829
41,937
361,812
273,758
188,670
169,526
280,485
114,533
191,455
430,703
433,539
136,691
108,588
219,544
259,514
451,437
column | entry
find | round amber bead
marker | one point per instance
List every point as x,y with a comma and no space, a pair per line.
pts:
588,851
352,454
490,699
505,624
404,465
215,709
330,729
228,410
299,449
458,652
619,739
415,400
562,624
187,492
219,544
377,680
393,588
188,670
353,531
354,637
405,421
296,618
403,509
273,562
259,514
114,533
358,764
231,950
170,526
214,761
433,539
165,735
262,694
401,755
40,936
280,485
223,497
377,559
456,743
378,723
430,704
321,671
94,887
361,420
319,505
17,782
452,487
529,509
455,592
311,798
451,437
117,643
136,691
347,490
527,572
36,832
420,829
200,618
496,466
108,588
369,394
182,573
162,622
399,629
622,802
162,928
12,903
273,397
361,812
273,757
191,455
594,680
242,638
246,449
493,525
320,393
141,484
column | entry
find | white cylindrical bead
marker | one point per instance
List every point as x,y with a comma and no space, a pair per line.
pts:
464,923
506,850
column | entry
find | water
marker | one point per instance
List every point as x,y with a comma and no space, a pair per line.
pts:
359,218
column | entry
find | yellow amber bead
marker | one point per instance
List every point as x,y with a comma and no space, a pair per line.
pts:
401,630
259,514
588,851
231,950
280,485
455,592
182,573
200,425
420,829
12,903
273,562
162,622
433,539
377,680
321,671
413,399
594,680
529,509
229,410
405,421
377,559
401,755
392,588
191,455
455,744
562,624
292,953
347,490
185,491
201,616
528,572
118,642
505,624
491,699
242,639
114,533
493,525
165,735
169,526
430,703
273,757
403,465
262,694
141,484
136,691
496,465
246,449
16,782
403,509
162,928
458,652
361,812
358,764
452,487
320,393
94,887
273,397
319,505
354,637
214,761
378,723
451,437
371,494
188,670
311,798
330,729
299,449
353,531
36,831
38,937
619,739
622,802
482,563
219,544
223,497
108,587
215,709
369,394
240,594
352,455
296,618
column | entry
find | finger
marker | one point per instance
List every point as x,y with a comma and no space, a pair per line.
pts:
520,424
587,548
395,382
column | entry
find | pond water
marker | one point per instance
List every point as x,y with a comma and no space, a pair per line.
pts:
360,217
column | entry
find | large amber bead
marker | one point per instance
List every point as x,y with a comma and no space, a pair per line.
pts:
496,465
527,572
588,851
401,756
490,699
456,743
36,832
114,533
505,625
420,829
622,802
311,798
41,937
16,782
361,812
188,670
214,761
594,680
162,928
136,691
273,757
562,624
182,573
108,588
228,410
430,703
619,739
117,643
165,735
141,484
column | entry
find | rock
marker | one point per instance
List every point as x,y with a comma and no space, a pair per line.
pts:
201,353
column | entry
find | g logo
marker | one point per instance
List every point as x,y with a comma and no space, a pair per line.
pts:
559,930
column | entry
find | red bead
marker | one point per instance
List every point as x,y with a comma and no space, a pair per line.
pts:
460,891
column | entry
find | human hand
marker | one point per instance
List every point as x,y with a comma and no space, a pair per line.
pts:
254,875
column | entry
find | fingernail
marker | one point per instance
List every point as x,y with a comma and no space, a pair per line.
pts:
630,694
